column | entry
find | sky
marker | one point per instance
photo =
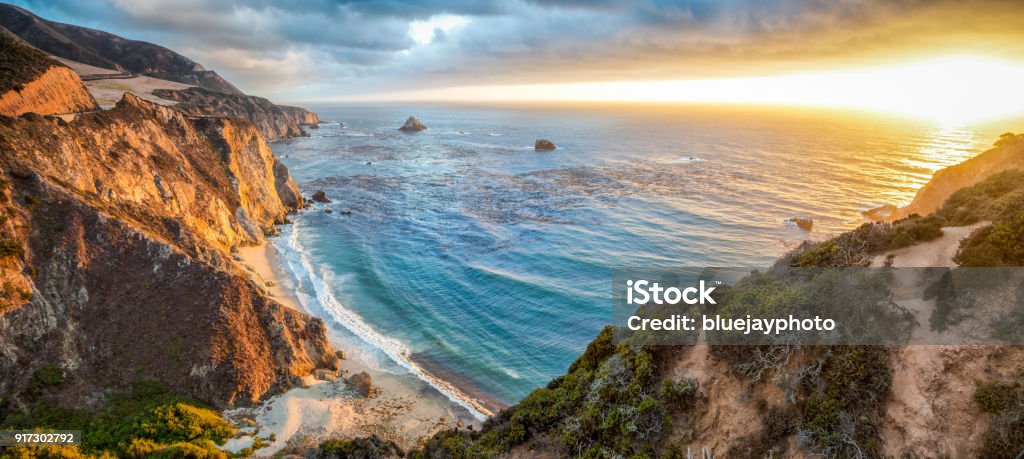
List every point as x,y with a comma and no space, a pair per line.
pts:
823,52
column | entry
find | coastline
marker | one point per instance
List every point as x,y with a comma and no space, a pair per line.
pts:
405,410
264,264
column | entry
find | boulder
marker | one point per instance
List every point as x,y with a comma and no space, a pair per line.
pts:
544,144
325,375
412,125
340,355
363,384
320,196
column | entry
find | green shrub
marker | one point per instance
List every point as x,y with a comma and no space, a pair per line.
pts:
1005,403
845,403
1000,244
360,448
853,248
183,422
916,229
146,418
612,402
981,201
44,379
201,449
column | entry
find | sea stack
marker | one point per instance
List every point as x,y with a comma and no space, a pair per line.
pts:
320,196
412,125
543,144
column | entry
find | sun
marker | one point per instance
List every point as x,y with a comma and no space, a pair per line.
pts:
948,90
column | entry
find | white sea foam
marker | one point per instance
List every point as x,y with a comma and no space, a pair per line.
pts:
301,268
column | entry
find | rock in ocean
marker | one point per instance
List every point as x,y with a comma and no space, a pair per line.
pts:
544,144
412,125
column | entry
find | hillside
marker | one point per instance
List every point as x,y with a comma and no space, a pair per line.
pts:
274,121
106,50
32,82
1007,153
116,266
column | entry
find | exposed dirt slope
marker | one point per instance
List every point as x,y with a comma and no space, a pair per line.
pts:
32,82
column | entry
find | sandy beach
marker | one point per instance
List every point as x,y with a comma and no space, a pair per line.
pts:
404,409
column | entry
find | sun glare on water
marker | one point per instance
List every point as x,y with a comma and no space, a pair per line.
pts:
948,90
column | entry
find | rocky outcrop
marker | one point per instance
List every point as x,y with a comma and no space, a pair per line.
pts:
109,51
300,115
121,225
412,125
1007,154
320,196
544,144
274,121
362,383
31,82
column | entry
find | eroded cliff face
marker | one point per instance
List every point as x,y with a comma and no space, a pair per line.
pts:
300,115
58,90
117,231
274,121
32,82
1007,154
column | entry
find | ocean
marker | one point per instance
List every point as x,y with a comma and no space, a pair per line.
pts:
462,257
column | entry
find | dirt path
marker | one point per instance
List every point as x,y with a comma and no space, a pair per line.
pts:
931,407
935,253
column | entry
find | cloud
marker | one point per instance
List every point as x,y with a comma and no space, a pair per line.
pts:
280,48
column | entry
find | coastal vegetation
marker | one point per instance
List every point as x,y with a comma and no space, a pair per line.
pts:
1002,242
1004,403
21,63
617,399
145,420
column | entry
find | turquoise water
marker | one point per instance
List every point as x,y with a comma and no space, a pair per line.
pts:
474,262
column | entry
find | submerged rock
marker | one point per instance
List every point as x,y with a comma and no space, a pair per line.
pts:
883,213
412,125
805,224
363,384
544,144
320,196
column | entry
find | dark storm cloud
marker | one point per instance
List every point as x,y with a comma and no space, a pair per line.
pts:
298,48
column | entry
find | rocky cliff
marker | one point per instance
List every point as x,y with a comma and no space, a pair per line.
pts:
116,235
102,49
31,82
1007,154
274,121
